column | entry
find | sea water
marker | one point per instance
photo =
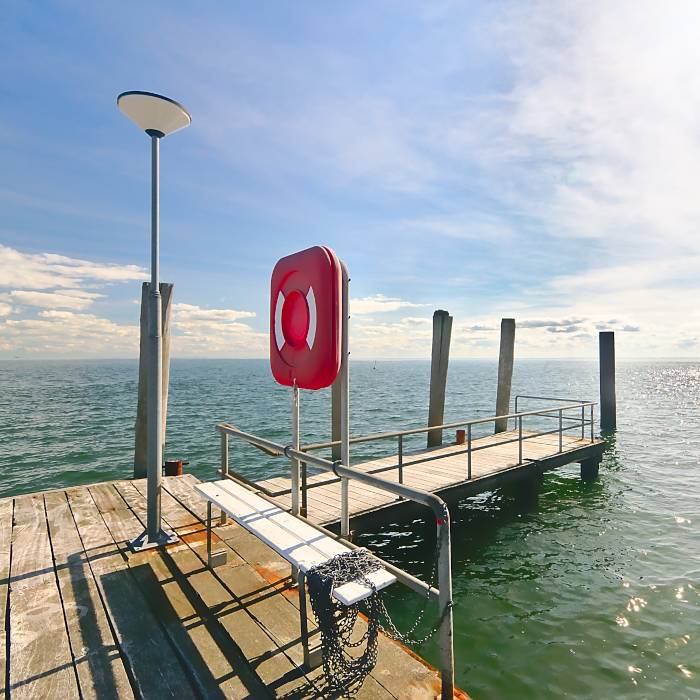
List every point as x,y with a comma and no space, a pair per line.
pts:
591,591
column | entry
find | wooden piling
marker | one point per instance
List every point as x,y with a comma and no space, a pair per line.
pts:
442,332
608,409
140,442
505,373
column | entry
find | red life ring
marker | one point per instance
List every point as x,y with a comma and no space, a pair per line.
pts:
305,318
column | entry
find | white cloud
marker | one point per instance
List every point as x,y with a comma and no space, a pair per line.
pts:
379,303
5,309
69,333
68,299
49,271
201,332
187,313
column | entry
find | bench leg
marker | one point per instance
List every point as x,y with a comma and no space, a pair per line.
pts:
312,657
217,558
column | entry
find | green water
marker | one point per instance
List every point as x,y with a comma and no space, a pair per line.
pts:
592,592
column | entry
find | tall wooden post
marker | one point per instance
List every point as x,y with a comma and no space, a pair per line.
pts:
442,332
608,409
140,449
505,373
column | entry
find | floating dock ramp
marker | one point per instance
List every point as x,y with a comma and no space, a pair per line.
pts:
535,441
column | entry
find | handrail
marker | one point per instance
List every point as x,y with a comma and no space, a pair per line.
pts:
549,398
445,426
435,503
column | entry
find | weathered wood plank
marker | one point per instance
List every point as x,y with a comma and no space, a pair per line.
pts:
273,667
212,664
99,665
41,664
154,670
6,509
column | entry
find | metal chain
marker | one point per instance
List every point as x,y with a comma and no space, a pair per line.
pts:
345,673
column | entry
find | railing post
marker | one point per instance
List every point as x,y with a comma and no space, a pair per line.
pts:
591,422
401,459
445,640
344,390
561,438
583,422
304,499
224,468
469,450
520,439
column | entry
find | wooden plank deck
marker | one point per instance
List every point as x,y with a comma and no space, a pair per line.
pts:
84,617
446,476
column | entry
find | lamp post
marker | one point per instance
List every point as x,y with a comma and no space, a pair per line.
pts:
158,116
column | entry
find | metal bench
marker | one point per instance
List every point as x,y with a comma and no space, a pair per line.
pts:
301,544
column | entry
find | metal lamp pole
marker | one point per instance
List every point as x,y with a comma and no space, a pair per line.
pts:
155,376
158,116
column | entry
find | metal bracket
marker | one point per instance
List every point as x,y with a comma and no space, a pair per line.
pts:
214,559
312,655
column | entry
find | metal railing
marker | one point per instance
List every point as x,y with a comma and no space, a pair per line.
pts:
443,593
565,423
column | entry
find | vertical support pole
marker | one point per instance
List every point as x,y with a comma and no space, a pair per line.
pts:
608,411
335,418
209,534
583,422
445,601
224,468
520,439
505,373
304,495
442,332
295,444
401,459
344,391
561,436
155,383
469,450
591,422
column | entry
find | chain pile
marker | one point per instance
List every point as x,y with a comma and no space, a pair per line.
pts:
344,672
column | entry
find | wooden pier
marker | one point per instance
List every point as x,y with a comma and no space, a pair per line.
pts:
83,616
496,460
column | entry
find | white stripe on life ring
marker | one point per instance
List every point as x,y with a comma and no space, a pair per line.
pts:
279,335
311,301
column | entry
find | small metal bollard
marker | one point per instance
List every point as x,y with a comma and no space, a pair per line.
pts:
174,467
461,437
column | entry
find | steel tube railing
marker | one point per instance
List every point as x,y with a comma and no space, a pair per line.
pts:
442,518
548,398
521,437
446,426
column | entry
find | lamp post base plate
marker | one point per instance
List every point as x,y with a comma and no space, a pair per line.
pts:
142,542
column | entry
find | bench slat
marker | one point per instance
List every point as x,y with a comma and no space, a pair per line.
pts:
298,542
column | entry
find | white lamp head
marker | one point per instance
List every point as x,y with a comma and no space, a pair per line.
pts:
155,114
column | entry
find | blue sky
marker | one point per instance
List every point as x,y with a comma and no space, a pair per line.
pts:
500,159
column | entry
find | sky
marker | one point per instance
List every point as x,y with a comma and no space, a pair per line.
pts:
539,161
